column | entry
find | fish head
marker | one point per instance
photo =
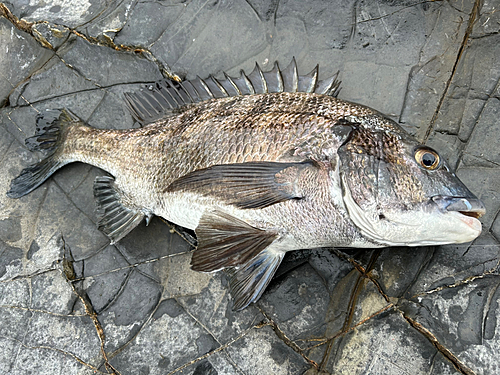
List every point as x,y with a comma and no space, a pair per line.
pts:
399,192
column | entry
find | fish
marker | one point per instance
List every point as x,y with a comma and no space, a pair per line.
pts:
259,165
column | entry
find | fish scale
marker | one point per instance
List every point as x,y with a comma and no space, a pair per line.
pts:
259,165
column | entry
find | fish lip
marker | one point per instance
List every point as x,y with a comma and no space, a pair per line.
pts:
467,206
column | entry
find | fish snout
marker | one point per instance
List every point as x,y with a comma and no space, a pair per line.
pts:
468,206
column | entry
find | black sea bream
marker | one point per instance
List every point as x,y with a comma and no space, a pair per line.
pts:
257,166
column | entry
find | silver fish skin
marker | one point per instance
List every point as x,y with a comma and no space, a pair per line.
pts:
257,166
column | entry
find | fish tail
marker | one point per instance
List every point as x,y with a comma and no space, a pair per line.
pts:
51,130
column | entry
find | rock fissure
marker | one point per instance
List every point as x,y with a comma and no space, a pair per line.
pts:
470,25
459,365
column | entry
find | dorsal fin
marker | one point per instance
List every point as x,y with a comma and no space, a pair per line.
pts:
166,96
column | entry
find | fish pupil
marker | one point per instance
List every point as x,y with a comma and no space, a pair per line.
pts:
428,159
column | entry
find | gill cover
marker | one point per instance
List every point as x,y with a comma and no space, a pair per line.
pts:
389,181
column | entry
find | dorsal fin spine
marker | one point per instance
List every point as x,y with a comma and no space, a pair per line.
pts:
138,101
151,99
131,106
205,86
181,91
295,80
332,87
314,75
247,82
264,82
232,83
171,95
159,91
281,85
194,89
217,83
177,92
187,92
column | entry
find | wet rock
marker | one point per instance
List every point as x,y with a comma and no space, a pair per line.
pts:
21,56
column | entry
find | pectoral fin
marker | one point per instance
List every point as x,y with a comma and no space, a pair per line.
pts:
246,185
114,219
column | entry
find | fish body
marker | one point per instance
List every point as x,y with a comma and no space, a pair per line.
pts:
277,164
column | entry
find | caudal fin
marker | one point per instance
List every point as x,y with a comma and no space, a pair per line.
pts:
47,138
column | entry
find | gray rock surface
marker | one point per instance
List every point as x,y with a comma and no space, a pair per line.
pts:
72,303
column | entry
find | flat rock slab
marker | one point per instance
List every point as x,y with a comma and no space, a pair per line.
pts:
70,302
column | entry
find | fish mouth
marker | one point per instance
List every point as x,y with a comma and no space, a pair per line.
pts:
467,206
475,215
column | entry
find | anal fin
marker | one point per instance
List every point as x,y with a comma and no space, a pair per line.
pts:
115,220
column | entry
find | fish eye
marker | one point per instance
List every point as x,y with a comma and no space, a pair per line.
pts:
427,158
